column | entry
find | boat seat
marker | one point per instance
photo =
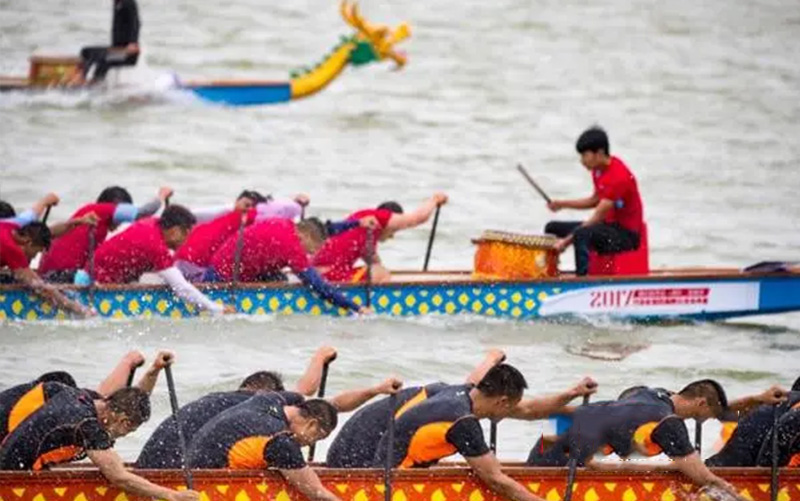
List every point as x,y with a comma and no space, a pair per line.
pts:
635,262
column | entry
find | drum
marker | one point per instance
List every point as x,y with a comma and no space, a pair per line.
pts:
54,71
512,255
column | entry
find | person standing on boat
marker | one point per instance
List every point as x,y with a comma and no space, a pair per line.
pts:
617,220
124,49
75,424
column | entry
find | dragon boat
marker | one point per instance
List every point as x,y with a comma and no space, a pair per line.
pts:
448,483
369,43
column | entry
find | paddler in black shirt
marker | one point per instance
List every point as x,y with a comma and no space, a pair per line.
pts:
124,50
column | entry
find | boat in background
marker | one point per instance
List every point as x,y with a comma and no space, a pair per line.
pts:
451,483
370,43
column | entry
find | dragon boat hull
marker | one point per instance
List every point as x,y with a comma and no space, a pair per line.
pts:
436,484
658,296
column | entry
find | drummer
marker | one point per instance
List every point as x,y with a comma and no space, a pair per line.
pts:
617,221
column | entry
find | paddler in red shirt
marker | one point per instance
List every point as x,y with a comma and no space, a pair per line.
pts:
337,258
145,247
617,221
70,251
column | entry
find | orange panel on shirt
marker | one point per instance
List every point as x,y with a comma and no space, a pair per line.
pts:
643,440
25,406
248,454
57,456
416,399
429,443
794,462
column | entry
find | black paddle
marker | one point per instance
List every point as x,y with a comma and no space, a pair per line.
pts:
46,214
431,238
533,183
573,465
320,394
132,373
773,485
173,401
493,437
370,257
698,436
387,465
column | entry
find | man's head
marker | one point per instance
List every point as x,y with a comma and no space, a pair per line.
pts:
176,222
6,210
394,208
126,409
501,390
248,199
33,238
262,381
702,400
315,420
58,377
796,385
593,148
115,195
312,233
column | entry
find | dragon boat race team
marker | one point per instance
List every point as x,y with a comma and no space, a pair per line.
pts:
124,49
70,252
219,224
337,259
269,246
145,247
616,223
448,423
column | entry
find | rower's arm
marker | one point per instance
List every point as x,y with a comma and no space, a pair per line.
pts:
488,468
111,466
282,208
493,358
24,218
118,377
693,467
209,213
309,383
58,229
598,216
30,279
418,216
148,381
579,203
314,281
307,482
351,400
42,204
774,395
187,291
542,407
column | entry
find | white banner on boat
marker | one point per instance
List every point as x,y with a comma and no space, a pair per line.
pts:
667,298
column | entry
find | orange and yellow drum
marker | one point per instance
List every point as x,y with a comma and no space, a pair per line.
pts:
515,256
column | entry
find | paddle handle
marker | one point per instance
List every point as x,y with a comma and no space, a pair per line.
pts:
431,238
312,449
533,183
387,465
493,437
774,485
46,214
173,402
132,374
698,436
573,465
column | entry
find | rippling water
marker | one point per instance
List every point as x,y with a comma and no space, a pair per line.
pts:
702,100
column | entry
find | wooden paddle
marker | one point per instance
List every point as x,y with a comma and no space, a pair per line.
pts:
320,394
774,486
533,183
573,466
173,401
431,238
387,465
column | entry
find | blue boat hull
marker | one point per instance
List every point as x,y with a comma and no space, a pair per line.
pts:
242,94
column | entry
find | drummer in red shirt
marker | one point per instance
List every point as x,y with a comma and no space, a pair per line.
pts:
337,258
617,221
145,247
70,252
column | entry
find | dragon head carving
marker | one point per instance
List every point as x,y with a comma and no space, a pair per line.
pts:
380,38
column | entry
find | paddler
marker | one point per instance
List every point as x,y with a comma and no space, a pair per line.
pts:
617,220
75,424
124,50
337,259
449,423
145,247
70,251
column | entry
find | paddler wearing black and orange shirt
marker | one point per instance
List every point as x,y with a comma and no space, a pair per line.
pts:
647,421
76,424
617,221
449,423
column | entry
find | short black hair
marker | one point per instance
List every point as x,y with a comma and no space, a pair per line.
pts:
176,215
627,392
115,195
62,377
593,139
796,385
391,206
263,381
503,380
255,196
6,210
132,402
711,391
38,233
321,410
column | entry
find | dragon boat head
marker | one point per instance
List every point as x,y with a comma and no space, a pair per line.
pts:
376,42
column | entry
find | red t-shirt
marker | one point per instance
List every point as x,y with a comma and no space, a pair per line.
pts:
617,184
340,253
70,251
11,254
137,250
268,246
205,239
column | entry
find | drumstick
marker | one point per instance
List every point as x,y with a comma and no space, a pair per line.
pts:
530,180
